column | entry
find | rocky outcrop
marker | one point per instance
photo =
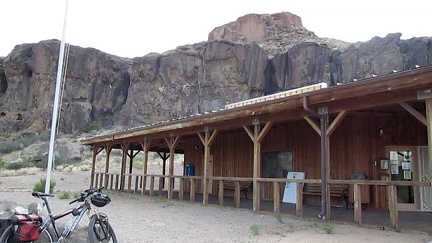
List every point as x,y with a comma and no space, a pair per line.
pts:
95,88
275,33
193,79
235,64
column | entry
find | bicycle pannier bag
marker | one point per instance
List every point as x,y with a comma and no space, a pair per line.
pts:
26,227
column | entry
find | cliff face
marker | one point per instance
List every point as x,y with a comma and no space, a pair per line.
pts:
95,88
236,63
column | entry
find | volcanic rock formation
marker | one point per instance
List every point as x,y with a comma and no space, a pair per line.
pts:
253,56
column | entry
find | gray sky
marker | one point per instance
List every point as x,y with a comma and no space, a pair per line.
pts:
131,28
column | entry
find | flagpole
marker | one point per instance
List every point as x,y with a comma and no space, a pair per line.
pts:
56,104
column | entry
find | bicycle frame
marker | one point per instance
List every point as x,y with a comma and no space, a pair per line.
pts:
85,207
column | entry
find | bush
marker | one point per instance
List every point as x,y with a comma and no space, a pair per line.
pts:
92,126
18,165
64,195
2,163
40,186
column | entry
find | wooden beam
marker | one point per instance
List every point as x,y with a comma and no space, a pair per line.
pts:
313,125
249,132
428,103
392,200
357,204
335,123
276,197
264,131
414,112
171,142
125,148
145,145
207,140
108,149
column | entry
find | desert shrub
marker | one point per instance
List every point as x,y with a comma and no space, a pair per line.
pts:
40,185
9,146
329,228
2,163
18,165
92,126
64,195
255,229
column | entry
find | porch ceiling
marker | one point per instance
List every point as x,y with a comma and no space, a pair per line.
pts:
368,94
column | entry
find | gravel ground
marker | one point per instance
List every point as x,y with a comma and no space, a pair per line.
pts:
137,218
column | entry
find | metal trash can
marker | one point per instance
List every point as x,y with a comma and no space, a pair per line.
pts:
190,170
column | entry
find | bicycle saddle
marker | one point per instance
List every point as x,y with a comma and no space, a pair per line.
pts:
40,194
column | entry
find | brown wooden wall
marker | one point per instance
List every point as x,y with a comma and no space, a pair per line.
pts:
355,145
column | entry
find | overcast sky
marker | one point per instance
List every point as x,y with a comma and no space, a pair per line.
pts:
131,28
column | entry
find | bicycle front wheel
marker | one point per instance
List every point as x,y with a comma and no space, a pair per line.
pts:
8,236
99,230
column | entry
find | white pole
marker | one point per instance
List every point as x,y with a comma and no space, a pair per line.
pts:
56,104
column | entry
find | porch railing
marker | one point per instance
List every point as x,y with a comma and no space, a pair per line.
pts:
134,183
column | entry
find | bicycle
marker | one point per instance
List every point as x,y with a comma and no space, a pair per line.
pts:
99,230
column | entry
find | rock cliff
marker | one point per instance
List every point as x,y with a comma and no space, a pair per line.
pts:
253,56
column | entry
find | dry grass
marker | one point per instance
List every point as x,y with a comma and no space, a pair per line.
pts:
22,171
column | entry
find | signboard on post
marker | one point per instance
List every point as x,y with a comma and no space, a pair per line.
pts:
290,193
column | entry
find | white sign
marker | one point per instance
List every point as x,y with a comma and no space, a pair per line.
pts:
290,193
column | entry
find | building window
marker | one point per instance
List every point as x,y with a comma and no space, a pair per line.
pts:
277,164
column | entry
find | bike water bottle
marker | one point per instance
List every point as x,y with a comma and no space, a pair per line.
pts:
67,227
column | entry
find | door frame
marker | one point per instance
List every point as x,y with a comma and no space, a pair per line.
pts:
415,177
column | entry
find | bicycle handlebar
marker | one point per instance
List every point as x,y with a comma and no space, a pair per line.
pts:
86,194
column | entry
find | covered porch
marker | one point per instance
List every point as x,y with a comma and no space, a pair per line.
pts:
260,121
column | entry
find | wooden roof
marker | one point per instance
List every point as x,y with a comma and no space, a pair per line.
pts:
363,94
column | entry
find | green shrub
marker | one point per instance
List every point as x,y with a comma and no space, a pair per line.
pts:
40,186
92,126
64,195
329,228
18,165
76,194
2,163
255,229
9,146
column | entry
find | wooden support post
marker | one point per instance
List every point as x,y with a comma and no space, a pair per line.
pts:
221,192
181,189
108,149
96,180
116,182
237,194
276,197
136,183
192,190
161,179
328,131
152,182
392,199
101,182
96,151
171,142
357,204
129,186
299,200
257,136
207,141
428,103
111,181
145,145
125,148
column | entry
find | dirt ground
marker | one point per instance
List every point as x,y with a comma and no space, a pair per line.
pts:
137,218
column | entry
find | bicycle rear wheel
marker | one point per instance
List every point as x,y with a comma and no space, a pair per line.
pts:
7,236
99,230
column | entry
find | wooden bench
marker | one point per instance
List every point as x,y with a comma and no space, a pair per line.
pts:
336,190
245,186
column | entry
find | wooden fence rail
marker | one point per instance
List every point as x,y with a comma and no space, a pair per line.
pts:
112,179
